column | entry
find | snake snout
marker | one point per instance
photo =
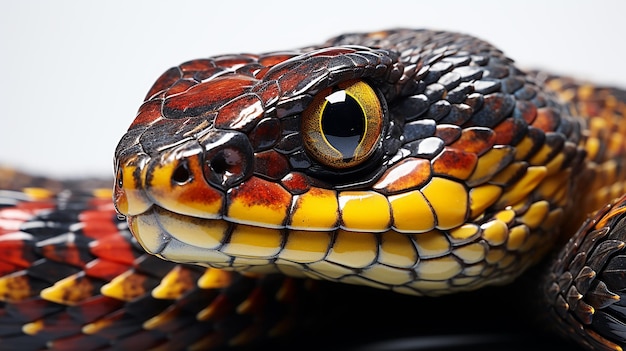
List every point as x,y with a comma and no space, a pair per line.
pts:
179,171
129,197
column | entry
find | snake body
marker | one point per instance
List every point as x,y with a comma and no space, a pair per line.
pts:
415,161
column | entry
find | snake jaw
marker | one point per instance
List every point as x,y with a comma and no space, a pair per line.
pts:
195,238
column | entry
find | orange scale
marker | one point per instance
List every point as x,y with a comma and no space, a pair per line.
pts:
98,228
278,71
271,164
101,202
448,133
166,80
105,269
232,61
16,251
99,215
179,87
269,92
475,140
240,114
526,110
276,58
303,74
260,74
148,113
204,75
455,163
407,174
258,201
34,207
296,182
6,268
73,253
203,95
290,82
114,248
509,131
94,308
547,119
197,65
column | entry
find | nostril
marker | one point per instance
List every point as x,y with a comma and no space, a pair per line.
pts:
181,174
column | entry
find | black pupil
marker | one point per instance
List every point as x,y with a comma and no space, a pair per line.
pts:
343,124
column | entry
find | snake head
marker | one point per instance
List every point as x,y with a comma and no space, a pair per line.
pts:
220,141
419,161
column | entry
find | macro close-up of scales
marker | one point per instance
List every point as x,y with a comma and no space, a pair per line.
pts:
393,189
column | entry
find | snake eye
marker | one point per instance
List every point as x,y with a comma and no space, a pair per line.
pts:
343,124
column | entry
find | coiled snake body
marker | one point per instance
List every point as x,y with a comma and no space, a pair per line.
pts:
420,162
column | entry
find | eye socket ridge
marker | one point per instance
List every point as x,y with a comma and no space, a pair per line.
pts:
343,125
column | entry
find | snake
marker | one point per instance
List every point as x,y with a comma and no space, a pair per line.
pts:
418,163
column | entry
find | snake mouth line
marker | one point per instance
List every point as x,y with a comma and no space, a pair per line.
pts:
388,260
223,243
174,236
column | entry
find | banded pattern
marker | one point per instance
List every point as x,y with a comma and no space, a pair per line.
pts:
72,278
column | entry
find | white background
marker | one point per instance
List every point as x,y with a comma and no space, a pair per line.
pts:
74,72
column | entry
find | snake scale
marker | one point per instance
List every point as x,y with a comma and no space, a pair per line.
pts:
415,162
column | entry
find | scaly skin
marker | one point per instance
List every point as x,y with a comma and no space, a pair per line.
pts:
458,170
464,182
72,278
